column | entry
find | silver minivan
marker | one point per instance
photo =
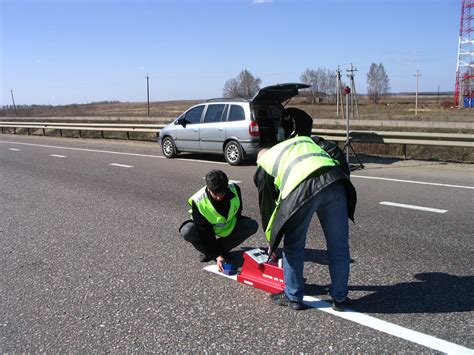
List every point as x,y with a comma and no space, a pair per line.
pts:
237,128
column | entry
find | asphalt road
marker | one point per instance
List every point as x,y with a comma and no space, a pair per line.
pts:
91,260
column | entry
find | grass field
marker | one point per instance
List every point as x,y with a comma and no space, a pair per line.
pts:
395,107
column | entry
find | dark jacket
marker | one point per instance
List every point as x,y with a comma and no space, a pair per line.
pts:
307,189
205,229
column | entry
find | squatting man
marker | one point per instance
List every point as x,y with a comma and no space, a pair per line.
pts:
217,224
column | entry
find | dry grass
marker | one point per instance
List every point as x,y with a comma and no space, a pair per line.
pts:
396,107
138,110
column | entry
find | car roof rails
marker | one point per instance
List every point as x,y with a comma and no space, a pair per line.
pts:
228,99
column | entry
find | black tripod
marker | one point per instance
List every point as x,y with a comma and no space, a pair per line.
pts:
348,146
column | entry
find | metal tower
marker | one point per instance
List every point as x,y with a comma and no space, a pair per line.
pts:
464,92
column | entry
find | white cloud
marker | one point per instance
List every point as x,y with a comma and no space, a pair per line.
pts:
142,68
258,2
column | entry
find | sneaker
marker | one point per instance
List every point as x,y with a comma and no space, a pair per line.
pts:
281,299
203,258
340,306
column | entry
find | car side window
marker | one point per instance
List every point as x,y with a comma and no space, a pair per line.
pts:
214,113
194,115
178,120
236,113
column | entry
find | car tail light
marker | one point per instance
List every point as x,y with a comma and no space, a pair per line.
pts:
254,130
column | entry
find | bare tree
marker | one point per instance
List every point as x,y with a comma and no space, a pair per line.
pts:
308,78
377,82
322,81
244,85
318,82
231,88
331,85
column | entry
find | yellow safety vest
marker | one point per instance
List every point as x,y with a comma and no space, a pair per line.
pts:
290,162
222,226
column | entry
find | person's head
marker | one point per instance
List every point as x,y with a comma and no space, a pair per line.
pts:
303,123
216,183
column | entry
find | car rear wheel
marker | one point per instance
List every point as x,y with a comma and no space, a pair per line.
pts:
168,147
233,153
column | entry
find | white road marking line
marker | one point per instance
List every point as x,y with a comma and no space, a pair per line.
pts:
57,156
375,323
222,163
213,269
112,152
14,149
413,182
200,161
231,181
121,165
413,207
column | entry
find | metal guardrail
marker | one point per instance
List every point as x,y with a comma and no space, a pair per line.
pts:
390,137
383,137
80,127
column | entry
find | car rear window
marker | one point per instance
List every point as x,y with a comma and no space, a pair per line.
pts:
236,113
214,113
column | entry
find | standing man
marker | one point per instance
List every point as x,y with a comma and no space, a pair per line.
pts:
295,179
217,223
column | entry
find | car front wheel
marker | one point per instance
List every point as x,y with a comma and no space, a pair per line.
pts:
233,153
168,147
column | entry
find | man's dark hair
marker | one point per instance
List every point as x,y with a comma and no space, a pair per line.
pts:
217,181
303,122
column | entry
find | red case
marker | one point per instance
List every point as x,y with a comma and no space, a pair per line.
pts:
266,276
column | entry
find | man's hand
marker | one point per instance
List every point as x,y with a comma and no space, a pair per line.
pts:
219,261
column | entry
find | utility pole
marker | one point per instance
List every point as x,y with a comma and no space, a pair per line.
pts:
418,75
347,92
353,94
13,99
148,95
339,97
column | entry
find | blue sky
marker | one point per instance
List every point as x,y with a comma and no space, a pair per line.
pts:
78,51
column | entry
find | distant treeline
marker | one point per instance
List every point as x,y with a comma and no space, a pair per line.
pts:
425,93
11,107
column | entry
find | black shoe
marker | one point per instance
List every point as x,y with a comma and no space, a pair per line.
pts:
203,258
340,306
281,299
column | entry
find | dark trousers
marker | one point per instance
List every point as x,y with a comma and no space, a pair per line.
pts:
244,228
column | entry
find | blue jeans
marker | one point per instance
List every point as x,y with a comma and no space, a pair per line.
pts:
331,206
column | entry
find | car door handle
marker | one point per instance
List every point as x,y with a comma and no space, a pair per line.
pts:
195,130
221,129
